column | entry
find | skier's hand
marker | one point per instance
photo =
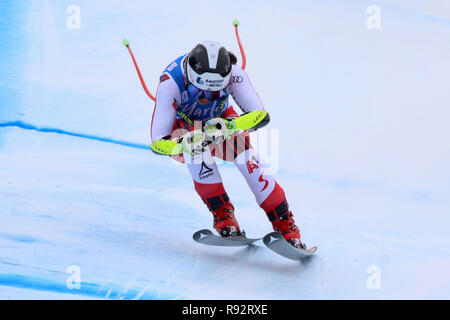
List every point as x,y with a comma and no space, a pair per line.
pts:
193,142
218,129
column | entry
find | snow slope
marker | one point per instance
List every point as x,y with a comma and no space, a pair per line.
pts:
364,159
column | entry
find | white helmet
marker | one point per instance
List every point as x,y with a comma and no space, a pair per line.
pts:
209,66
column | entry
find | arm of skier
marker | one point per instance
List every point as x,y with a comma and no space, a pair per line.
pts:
244,94
163,118
242,91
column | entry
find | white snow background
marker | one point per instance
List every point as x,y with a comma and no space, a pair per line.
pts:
364,158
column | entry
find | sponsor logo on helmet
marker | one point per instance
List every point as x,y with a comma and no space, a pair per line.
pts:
213,84
214,81
200,81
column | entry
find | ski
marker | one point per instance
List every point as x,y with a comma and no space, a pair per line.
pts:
207,237
276,242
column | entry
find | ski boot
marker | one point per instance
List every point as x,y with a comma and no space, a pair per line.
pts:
286,226
225,222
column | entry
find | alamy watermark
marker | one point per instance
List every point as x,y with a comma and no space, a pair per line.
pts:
265,141
373,21
74,19
373,282
74,279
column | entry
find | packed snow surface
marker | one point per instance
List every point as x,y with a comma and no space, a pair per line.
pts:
359,141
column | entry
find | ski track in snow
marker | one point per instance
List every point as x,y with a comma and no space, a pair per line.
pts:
76,191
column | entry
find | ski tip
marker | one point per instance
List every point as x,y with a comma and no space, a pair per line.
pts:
236,22
201,233
126,43
273,236
312,249
270,237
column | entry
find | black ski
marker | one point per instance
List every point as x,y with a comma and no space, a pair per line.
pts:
207,237
276,242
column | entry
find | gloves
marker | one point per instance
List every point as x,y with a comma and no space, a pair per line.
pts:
218,129
193,142
215,131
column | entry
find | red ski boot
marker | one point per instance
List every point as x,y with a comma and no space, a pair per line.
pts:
225,222
285,225
277,210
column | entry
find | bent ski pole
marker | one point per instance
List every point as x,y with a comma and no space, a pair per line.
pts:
126,43
241,48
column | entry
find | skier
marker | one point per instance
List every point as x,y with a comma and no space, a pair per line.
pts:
193,122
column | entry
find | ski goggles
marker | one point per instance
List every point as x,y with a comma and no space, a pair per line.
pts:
197,93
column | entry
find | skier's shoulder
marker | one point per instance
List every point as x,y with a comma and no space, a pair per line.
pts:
175,64
175,71
238,75
235,69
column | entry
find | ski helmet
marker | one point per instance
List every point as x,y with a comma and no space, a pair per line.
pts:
208,66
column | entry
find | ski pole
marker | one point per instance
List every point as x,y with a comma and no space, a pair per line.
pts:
241,48
126,43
